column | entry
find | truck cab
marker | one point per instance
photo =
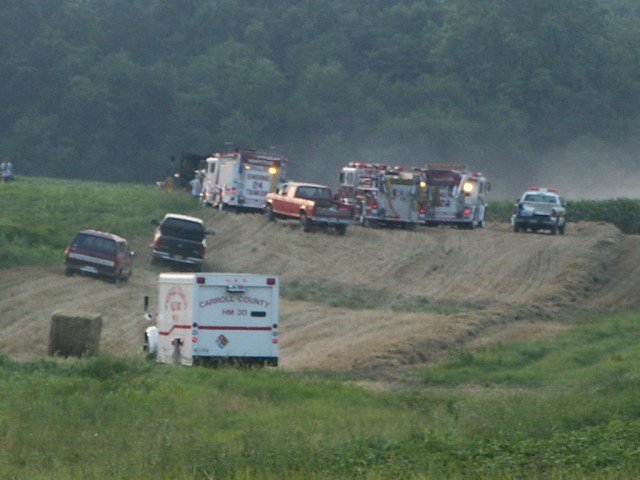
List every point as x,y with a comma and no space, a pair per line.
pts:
180,240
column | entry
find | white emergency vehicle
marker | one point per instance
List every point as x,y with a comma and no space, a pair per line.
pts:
241,179
456,195
213,318
539,209
382,195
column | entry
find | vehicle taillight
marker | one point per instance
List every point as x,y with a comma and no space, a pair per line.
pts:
271,281
374,205
467,212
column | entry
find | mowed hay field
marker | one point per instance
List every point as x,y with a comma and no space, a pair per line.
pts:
478,286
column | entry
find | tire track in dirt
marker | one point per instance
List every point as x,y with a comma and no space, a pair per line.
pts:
516,278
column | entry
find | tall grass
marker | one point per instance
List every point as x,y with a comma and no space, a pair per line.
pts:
624,213
40,216
556,408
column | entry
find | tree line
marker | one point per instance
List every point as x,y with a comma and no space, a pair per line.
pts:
109,90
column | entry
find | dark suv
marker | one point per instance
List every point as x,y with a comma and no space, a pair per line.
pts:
181,240
99,253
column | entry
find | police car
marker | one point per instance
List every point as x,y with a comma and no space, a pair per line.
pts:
539,209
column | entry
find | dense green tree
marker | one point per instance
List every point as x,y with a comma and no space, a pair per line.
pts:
111,90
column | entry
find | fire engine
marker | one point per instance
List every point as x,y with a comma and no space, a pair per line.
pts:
241,179
382,195
456,195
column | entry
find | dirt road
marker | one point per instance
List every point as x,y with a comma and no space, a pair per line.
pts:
512,285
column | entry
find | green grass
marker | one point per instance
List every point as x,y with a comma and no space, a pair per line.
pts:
358,297
41,216
602,353
565,407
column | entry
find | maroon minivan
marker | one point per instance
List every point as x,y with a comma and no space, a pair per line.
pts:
99,253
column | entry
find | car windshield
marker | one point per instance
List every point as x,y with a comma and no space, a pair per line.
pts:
314,193
541,198
95,243
177,227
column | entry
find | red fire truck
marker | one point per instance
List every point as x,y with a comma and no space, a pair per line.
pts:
457,195
384,196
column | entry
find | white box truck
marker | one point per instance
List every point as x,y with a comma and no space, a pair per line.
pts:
214,318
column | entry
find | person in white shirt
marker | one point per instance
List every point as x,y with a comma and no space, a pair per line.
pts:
7,170
196,186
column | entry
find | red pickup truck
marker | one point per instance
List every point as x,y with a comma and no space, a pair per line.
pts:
311,204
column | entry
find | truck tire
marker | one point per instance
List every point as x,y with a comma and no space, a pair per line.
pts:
305,223
269,214
561,229
516,227
341,229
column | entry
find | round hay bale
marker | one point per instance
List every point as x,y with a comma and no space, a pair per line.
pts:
75,333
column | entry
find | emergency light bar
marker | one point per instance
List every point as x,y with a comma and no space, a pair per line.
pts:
538,189
447,166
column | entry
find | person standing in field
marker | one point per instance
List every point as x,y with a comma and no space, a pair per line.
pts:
196,186
7,171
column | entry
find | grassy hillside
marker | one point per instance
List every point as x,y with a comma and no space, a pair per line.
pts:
564,407
40,216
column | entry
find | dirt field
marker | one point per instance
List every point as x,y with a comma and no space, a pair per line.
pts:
520,283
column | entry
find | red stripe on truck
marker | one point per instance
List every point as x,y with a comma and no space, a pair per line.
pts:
214,327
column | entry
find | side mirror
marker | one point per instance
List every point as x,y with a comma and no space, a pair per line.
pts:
155,222
208,231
